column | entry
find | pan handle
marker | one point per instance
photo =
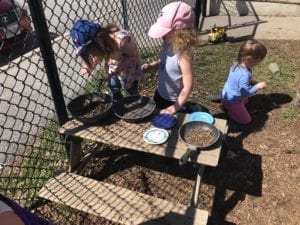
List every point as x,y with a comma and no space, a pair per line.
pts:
185,156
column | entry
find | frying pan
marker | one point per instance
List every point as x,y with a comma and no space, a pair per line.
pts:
188,130
91,108
134,109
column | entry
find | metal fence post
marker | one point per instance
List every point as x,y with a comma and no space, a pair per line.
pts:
43,36
199,10
124,14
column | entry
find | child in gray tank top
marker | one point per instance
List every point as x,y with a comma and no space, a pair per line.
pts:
175,25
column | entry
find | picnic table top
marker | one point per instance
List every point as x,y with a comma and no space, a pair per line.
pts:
117,132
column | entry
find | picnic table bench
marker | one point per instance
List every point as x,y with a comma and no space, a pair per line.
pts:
119,204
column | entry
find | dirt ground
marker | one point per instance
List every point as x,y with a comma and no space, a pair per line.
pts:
255,183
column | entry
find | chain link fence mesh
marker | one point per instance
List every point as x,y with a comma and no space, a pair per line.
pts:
31,149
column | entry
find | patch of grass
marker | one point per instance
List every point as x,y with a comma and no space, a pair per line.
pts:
287,65
37,166
290,113
211,65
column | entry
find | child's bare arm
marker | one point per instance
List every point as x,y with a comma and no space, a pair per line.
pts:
150,66
187,77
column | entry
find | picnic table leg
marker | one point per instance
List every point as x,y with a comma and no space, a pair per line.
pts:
197,184
75,153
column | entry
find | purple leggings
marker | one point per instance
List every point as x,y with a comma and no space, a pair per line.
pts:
238,111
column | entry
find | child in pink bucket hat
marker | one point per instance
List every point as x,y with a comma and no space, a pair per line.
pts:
174,16
175,25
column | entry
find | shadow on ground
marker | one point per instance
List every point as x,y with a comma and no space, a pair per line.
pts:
239,172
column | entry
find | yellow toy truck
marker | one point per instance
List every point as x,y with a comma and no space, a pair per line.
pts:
217,35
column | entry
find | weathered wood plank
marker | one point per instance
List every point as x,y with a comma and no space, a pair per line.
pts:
118,204
130,135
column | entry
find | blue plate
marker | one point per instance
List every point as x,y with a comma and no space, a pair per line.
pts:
164,121
201,116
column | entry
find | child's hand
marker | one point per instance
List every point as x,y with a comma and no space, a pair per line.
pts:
85,70
261,85
169,110
150,66
146,67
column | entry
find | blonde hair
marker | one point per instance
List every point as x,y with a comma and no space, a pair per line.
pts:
183,41
102,45
252,49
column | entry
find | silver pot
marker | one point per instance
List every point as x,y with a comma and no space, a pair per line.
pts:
187,129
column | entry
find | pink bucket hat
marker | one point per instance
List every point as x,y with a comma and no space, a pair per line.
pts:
174,16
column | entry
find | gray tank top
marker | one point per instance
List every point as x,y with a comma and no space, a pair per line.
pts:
169,75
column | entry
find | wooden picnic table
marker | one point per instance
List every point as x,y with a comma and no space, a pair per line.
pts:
119,204
120,133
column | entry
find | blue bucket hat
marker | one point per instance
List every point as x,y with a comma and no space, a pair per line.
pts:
82,33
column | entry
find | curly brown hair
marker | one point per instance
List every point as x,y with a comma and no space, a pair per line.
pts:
183,41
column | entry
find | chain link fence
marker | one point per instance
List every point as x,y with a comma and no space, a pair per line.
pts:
35,71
